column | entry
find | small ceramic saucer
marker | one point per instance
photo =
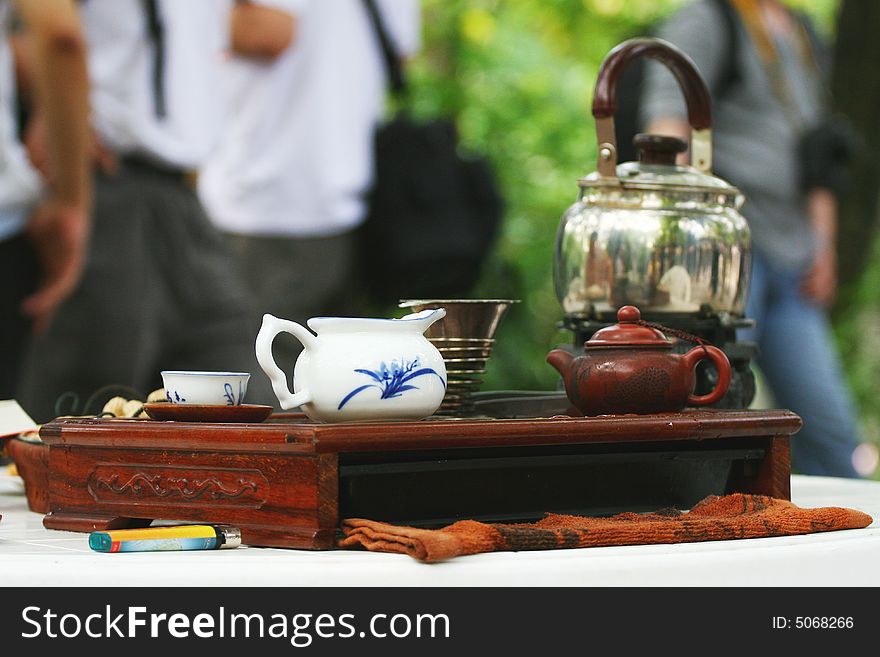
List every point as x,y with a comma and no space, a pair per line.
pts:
207,412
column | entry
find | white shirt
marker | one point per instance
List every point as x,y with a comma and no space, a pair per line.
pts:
121,64
297,158
19,183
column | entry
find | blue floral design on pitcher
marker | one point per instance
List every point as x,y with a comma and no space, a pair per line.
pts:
392,380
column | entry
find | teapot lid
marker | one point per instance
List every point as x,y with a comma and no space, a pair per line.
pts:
628,333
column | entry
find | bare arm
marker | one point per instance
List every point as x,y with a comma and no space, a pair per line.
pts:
820,282
59,84
18,42
259,31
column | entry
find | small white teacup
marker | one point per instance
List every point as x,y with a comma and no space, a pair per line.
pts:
209,388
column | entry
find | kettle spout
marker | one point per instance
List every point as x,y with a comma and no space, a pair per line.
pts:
560,359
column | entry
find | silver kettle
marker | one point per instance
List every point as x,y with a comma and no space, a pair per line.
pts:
667,238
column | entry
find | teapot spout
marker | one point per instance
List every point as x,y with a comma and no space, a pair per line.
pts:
561,360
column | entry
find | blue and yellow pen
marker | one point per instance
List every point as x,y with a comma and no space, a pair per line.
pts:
178,537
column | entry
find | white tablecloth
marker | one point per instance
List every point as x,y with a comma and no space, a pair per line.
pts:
33,556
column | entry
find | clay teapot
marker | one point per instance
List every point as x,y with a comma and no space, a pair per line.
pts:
629,368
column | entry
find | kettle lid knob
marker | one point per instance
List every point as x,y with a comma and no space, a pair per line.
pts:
658,149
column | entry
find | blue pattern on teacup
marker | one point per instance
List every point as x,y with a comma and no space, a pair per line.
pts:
230,395
177,399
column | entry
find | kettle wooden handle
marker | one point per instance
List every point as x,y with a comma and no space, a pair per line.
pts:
718,357
696,95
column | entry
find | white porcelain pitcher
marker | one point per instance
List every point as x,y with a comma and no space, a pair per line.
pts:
358,368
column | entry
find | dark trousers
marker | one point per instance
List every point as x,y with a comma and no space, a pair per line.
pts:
158,293
19,271
295,278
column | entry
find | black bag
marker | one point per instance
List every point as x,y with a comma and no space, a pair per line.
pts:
825,153
433,213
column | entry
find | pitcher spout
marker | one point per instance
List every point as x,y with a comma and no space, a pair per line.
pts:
561,360
421,321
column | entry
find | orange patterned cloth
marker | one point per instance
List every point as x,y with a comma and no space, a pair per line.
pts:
714,519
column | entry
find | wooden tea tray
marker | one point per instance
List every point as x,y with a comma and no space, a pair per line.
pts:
288,482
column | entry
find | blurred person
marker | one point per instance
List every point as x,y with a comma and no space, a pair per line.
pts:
158,291
43,231
288,186
769,127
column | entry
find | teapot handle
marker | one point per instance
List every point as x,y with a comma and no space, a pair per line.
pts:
696,95
718,357
270,328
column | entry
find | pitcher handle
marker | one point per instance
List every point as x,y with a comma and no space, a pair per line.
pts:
270,328
719,358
